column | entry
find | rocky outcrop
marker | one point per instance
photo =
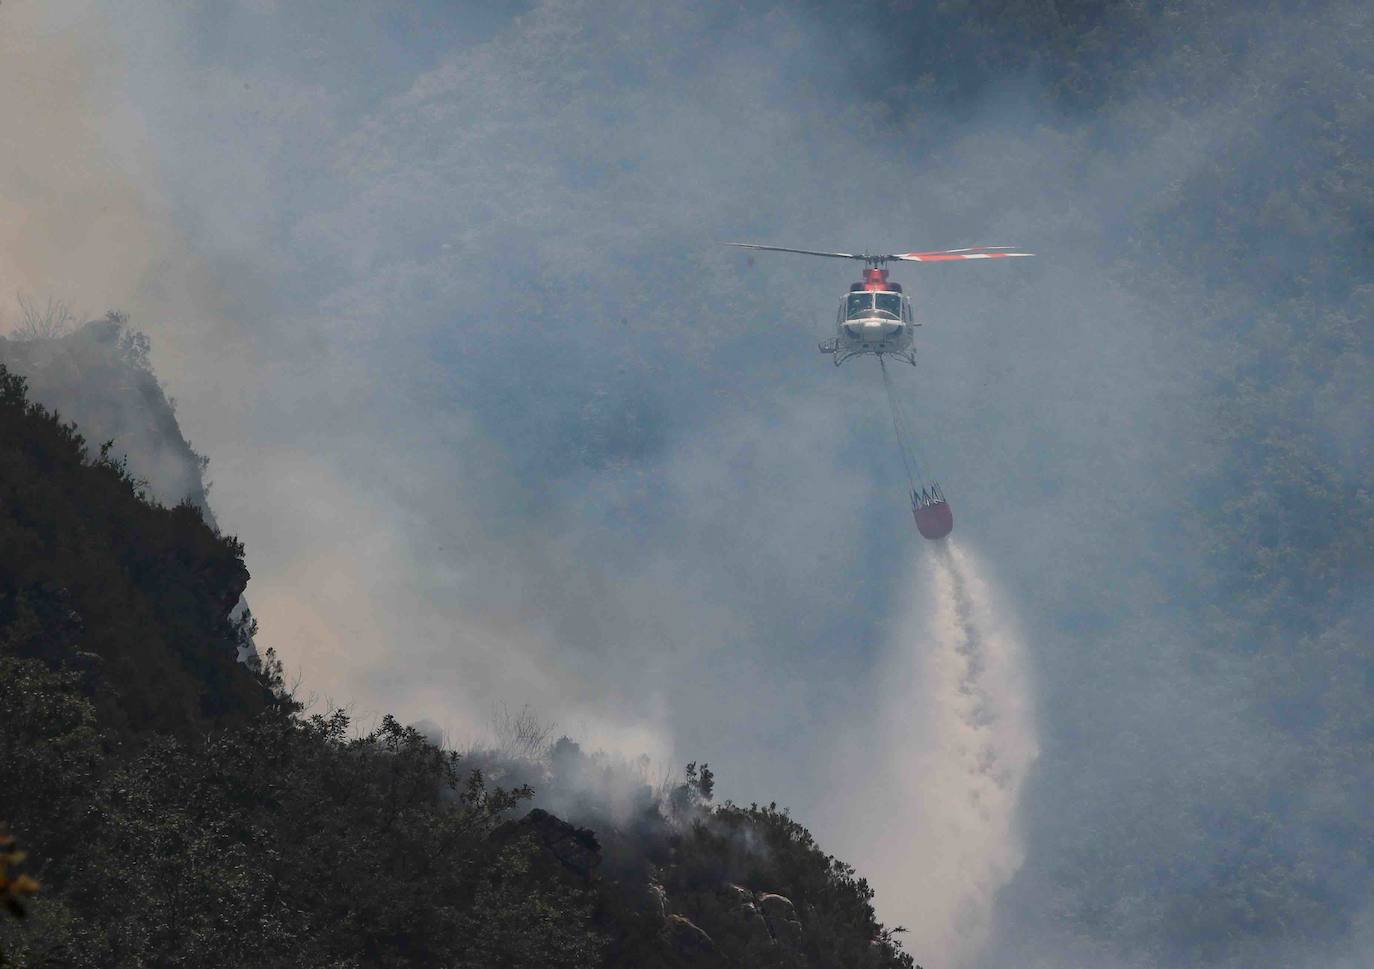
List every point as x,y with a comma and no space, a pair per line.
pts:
686,939
762,921
658,901
781,917
745,908
764,917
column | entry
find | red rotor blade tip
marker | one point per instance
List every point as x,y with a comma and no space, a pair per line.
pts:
951,255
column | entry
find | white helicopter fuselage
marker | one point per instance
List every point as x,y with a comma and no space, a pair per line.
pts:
875,321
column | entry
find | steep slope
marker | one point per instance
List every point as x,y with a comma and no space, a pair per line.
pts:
180,811
100,377
94,576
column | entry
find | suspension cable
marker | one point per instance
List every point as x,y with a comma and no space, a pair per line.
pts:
913,442
899,428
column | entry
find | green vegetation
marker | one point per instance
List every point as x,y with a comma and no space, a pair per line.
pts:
180,809
136,595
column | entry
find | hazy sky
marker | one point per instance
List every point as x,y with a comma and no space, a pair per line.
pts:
439,289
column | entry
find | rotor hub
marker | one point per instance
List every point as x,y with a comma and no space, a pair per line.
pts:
875,279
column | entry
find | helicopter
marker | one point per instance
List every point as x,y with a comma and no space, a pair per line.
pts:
875,318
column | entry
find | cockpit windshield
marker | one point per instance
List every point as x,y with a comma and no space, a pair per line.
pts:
889,303
859,306
867,305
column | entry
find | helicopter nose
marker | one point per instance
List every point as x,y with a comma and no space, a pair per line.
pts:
873,329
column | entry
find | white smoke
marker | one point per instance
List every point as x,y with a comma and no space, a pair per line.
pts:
959,725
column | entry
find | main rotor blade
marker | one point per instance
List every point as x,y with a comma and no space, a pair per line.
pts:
973,249
940,255
949,255
804,252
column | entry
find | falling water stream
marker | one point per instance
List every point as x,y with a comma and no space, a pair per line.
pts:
960,731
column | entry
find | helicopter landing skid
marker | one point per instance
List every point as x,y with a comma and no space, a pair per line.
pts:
843,351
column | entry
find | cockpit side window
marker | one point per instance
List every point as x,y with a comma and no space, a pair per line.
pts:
859,305
890,303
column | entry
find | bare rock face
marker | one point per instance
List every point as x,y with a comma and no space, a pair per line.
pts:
766,918
687,939
658,900
746,909
781,917
778,907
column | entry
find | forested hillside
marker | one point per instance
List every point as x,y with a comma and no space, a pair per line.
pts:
179,809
